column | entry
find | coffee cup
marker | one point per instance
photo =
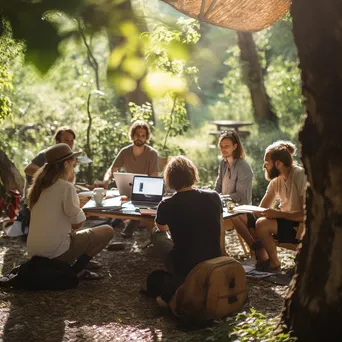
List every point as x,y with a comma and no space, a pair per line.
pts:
98,195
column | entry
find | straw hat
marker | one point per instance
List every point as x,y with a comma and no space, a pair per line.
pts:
239,15
59,152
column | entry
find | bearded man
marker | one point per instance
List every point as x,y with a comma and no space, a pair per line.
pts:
138,157
287,185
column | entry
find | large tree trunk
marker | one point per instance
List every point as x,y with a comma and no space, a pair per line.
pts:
255,80
9,174
314,306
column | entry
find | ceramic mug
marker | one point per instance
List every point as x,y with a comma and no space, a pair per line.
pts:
98,195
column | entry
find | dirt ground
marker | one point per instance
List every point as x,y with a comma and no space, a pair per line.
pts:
111,309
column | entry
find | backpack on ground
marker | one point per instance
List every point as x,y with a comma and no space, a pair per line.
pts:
213,289
41,274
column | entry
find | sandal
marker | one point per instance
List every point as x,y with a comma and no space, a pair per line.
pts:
93,265
264,266
87,275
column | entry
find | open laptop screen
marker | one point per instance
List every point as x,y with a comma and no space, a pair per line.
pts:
147,189
124,182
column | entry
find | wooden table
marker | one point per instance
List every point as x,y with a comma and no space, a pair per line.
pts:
149,220
223,125
229,124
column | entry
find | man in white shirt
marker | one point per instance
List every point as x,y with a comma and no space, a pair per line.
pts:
287,184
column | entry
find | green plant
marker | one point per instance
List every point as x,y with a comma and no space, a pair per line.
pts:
167,55
245,327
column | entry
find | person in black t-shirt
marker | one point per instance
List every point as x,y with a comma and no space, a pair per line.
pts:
188,224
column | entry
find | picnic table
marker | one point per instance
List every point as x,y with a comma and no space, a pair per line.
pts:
222,125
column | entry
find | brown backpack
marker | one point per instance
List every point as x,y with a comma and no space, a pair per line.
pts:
213,289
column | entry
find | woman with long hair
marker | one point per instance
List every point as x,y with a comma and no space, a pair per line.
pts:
56,215
235,176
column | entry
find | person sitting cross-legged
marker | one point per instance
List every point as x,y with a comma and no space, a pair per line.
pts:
287,184
188,224
56,216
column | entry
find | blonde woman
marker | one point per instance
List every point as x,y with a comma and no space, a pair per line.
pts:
56,215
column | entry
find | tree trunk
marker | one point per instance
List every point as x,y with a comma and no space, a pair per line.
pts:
255,80
313,309
9,174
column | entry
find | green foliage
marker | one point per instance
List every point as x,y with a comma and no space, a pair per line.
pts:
167,55
244,327
235,101
8,51
143,112
283,86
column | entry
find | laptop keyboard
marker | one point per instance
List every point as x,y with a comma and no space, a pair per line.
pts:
151,205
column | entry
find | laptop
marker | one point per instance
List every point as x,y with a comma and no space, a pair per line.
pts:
124,182
147,191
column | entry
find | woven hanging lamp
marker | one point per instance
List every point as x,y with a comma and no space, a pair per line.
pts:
239,15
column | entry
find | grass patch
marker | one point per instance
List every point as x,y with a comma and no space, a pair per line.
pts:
245,327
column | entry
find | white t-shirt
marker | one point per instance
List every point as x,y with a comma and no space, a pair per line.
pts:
289,191
51,217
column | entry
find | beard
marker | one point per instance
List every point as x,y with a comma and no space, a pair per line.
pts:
271,174
138,143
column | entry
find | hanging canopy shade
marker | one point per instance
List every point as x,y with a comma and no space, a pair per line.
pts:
239,15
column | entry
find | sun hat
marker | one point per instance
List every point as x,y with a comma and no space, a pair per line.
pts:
239,15
59,152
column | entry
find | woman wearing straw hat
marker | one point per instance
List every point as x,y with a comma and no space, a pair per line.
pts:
56,215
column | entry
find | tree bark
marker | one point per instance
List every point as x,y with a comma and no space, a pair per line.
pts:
9,174
255,80
313,309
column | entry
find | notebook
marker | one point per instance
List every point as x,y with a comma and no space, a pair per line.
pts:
107,204
124,182
147,191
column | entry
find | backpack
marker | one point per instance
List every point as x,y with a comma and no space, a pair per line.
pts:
213,289
41,274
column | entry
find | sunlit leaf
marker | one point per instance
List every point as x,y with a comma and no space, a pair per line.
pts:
129,29
177,50
134,66
125,84
159,83
116,57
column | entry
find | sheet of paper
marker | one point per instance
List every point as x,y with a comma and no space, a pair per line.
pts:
248,209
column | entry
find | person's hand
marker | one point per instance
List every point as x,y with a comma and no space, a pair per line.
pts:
271,213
